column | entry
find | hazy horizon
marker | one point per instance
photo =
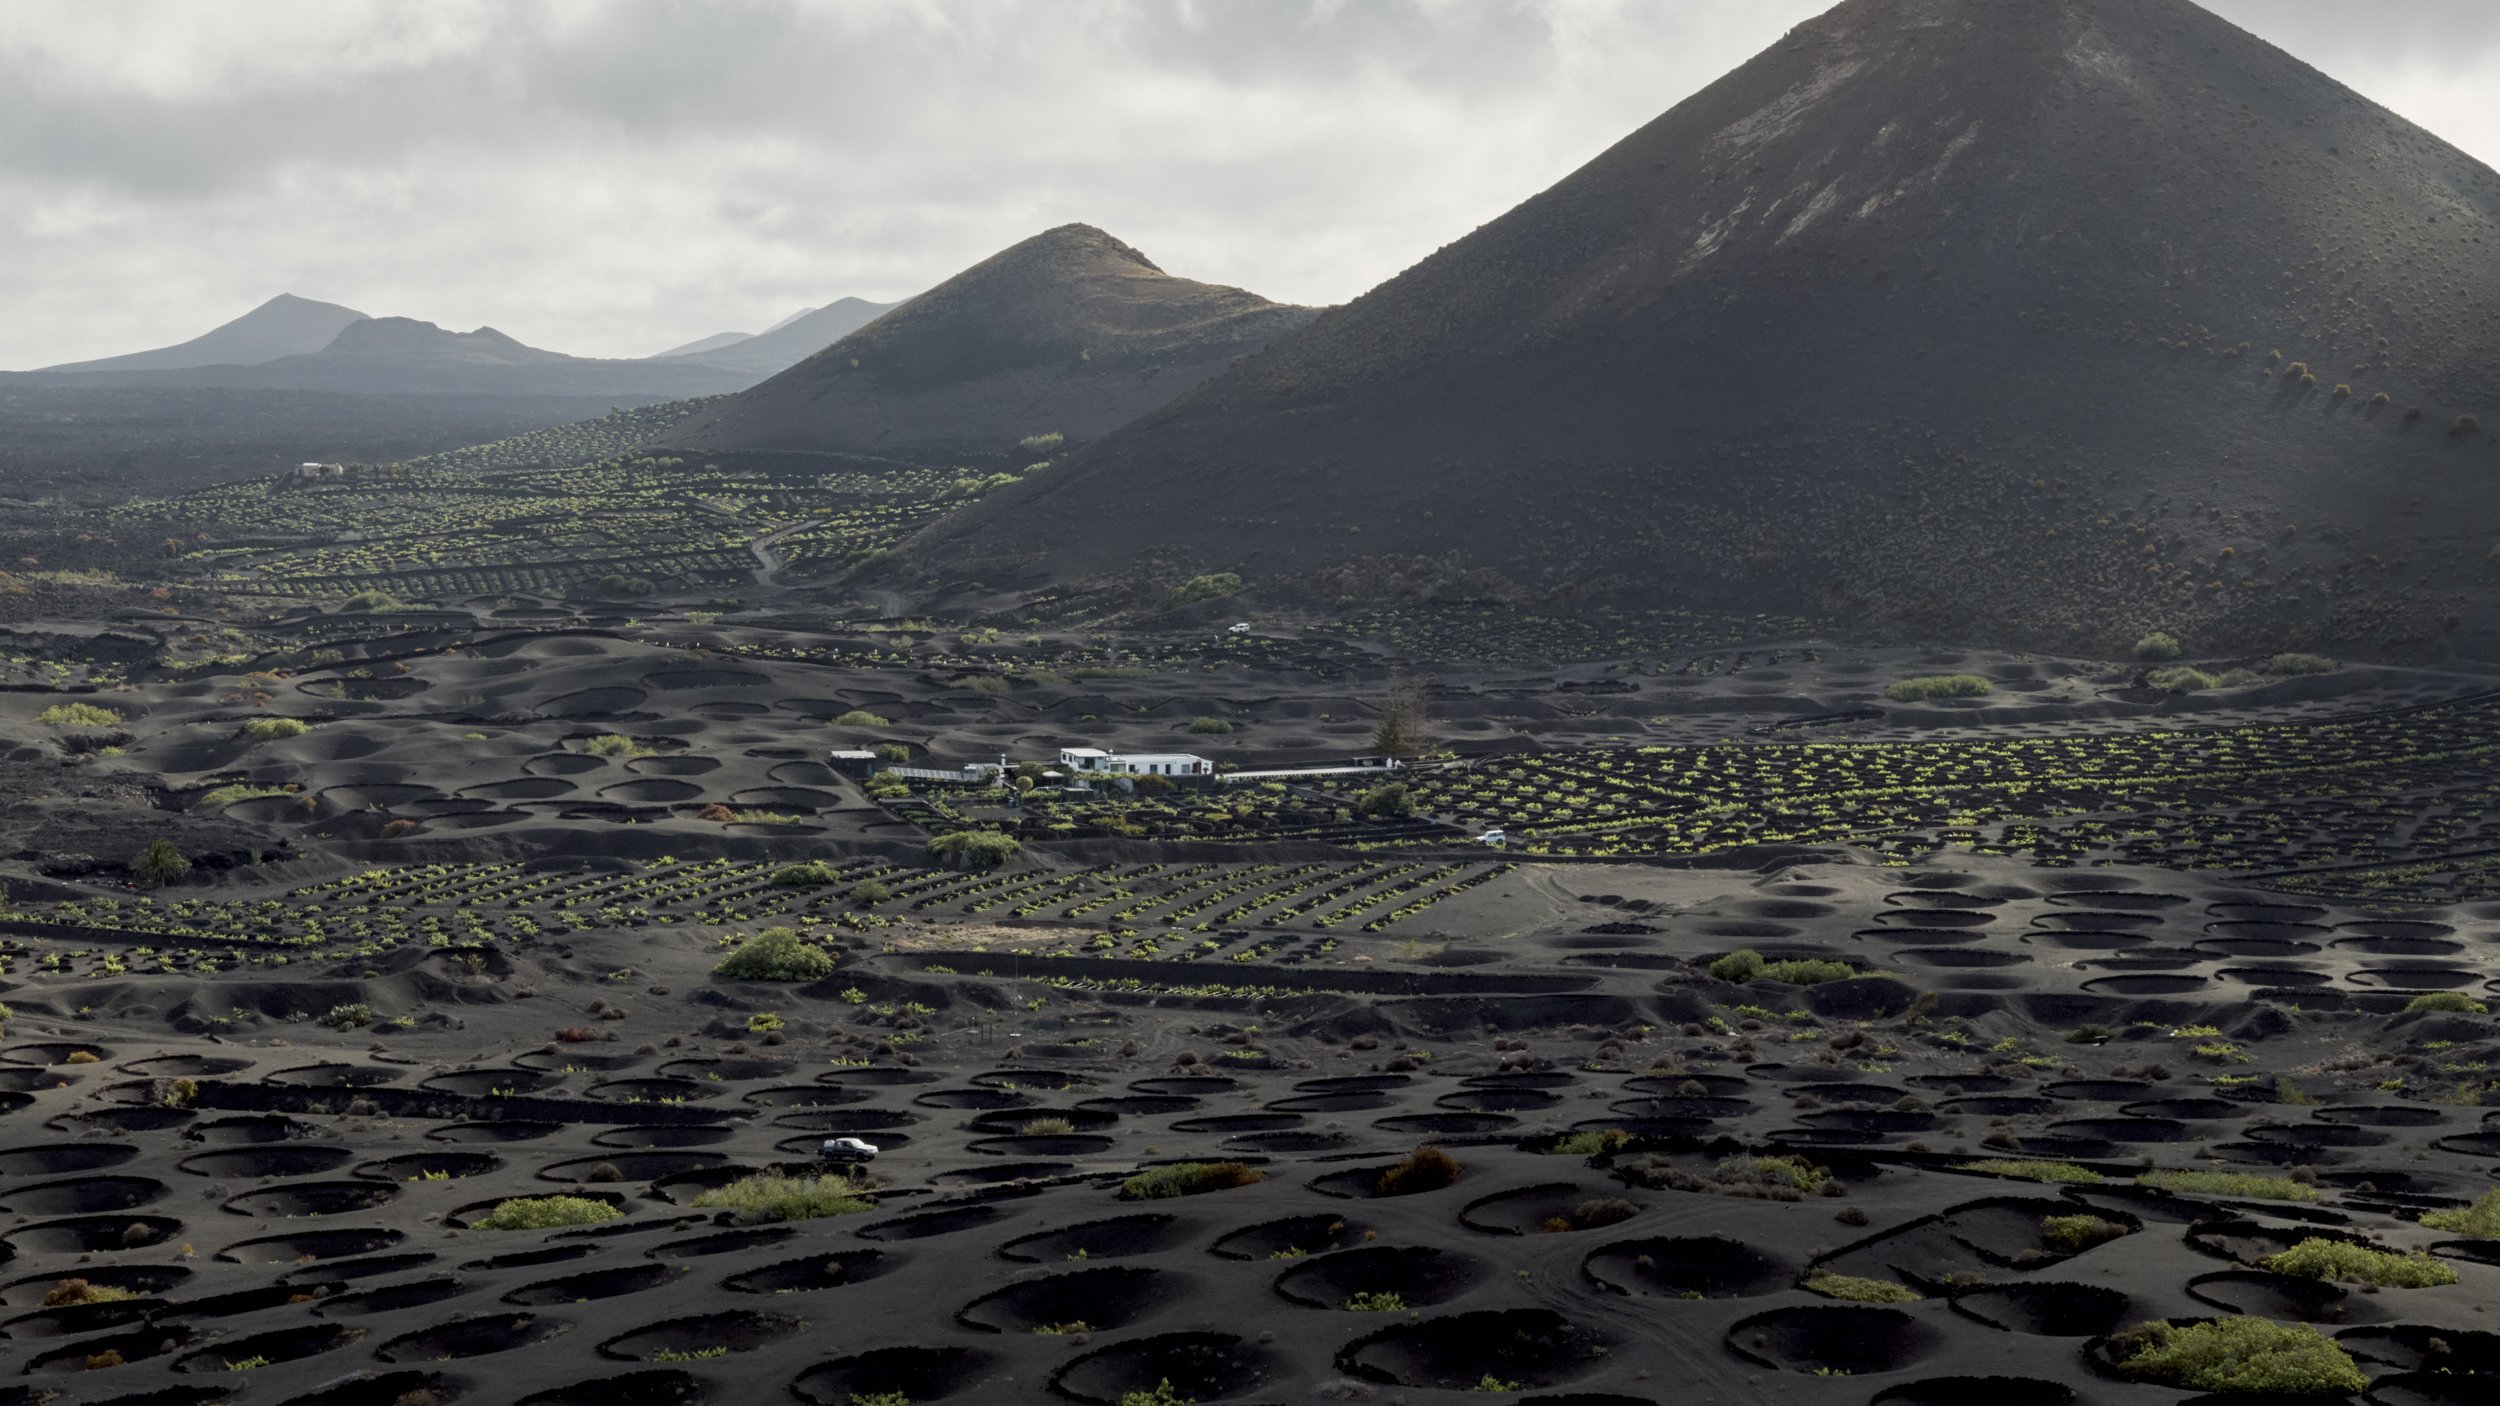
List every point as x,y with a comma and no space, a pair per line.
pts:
615,180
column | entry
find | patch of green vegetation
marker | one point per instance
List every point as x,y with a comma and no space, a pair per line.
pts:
2075,1234
761,817
776,954
975,849
611,744
348,1017
1382,1302
1857,1290
2291,665
1393,800
2066,1173
879,1398
2360,1264
238,791
371,601
1210,727
1590,1144
2158,647
1188,1179
861,717
1208,587
2245,1185
545,1213
2180,678
275,729
2480,1221
1162,1395
812,874
767,1198
1745,964
2454,1002
2237,1354
77,715
71,1292
1925,687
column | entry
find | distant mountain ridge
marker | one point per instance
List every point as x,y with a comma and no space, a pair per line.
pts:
286,325
2032,318
786,343
1069,332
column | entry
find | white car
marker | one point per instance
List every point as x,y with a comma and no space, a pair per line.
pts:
1495,838
847,1150
1241,627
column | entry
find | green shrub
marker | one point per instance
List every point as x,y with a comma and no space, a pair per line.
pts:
1162,1395
860,717
765,1198
2237,1355
892,752
1389,801
348,1017
623,585
1590,1144
1188,1179
2075,1234
1427,1168
813,874
2158,646
1210,727
2293,664
879,1398
1382,1302
239,791
1041,443
2182,679
275,729
2480,1221
1856,1290
2453,1002
1739,966
545,1212
975,849
371,600
1208,587
866,894
160,863
1045,1127
776,954
2360,1264
77,715
2245,1185
1919,690
2062,1172
610,744
1788,1172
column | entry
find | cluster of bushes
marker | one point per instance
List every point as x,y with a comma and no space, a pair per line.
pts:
974,849
77,715
2247,1186
815,873
2452,1002
2480,1221
1189,1179
2061,1173
275,729
766,1198
611,744
1210,727
1777,1177
861,717
1208,587
2158,647
2360,1264
545,1213
1857,1290
1921,689
2072,1235
1389,801
776,954
1424,1169
1745,964
2239,1354
2289,665
2179,678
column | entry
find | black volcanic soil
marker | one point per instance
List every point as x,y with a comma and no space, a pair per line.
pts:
1070,332
2046,320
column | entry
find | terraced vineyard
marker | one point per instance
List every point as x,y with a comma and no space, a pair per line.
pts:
2378,790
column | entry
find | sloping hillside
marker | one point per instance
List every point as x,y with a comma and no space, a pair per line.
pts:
1070,332
286,325
1955,314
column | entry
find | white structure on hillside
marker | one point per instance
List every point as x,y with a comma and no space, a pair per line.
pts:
1093,761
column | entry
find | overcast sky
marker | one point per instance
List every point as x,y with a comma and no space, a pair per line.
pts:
612,177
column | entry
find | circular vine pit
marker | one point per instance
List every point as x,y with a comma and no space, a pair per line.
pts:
664,1387
1100,1299
592,1284
1532,1347
285,1345
1417,1276
385,1389
2046,1308
1976,1391
829,1271
1203,1366
470,1337
706,1335
1707,1266
1831,1340
915,1374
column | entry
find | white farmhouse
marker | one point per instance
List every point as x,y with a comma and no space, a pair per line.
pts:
1094,761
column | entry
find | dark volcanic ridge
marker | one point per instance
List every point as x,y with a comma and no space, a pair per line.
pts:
2026,317
1070,332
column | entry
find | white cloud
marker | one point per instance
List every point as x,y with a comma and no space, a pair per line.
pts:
609,177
